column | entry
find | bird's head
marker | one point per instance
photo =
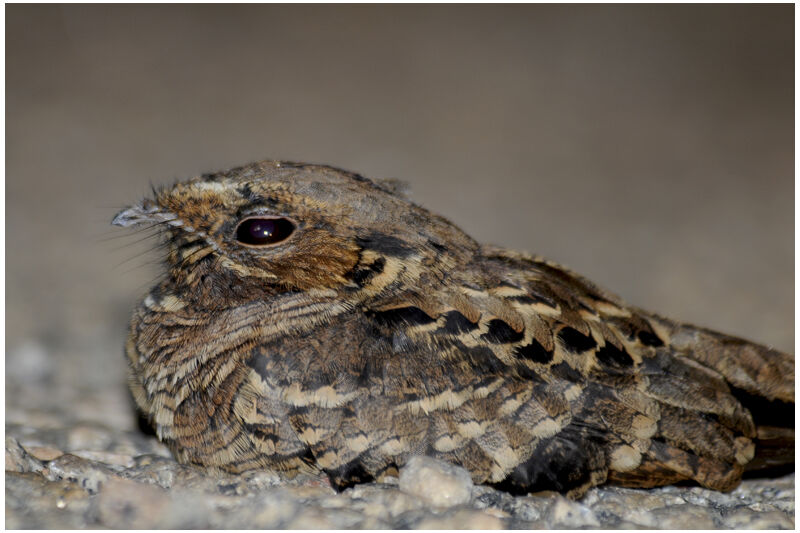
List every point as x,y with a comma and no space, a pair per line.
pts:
274,227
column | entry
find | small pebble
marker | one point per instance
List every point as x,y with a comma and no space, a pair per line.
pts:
567,514
44,453
108,458
437,483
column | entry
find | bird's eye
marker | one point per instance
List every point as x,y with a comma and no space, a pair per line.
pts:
264,231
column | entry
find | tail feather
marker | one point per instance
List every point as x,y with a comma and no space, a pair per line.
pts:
755,369
761,379
722,407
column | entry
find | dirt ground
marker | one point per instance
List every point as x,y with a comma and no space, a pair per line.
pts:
648,147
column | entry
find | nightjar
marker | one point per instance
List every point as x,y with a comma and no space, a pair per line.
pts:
313,319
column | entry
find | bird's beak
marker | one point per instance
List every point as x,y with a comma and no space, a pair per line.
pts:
146,212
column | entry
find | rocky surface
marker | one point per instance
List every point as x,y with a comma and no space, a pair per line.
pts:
63,473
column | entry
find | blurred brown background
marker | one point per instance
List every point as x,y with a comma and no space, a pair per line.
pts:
647,147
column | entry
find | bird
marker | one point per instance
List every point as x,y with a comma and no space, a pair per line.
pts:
312,320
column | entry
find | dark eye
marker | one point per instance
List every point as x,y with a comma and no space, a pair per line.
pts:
263,231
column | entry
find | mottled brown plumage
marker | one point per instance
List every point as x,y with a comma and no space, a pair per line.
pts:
311,318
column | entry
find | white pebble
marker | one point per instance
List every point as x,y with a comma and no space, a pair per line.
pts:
436,482
567,514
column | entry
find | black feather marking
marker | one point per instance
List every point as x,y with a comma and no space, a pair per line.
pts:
456,323
362,275
575,341
410,396
308,457
526,373
262,432
573,280
439,247
560,463
411,316
648,338
484,361
304,454
300,410
611,355
524,299
534,297
247,192
500,332
534,352
348,475
258,362
564,371
385,244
